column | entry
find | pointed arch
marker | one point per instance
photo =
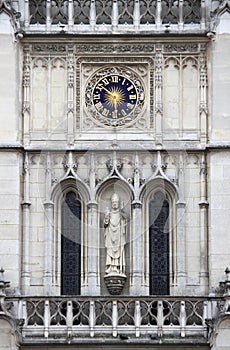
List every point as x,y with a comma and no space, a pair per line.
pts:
159,199
159,267
71,244
69,197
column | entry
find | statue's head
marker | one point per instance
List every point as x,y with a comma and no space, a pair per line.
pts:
115,201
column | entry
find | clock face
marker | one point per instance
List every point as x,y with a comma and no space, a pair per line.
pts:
114,96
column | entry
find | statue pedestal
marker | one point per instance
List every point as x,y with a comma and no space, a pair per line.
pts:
115,282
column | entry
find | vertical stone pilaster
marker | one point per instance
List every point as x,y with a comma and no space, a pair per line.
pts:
25,275
137,248
203,97
26,94
92,269
203,225
70,95
47,278
181,232
158,94
49,225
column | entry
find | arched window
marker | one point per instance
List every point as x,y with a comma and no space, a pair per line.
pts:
71,245
159,245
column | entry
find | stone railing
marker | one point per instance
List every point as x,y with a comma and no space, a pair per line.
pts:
130,319
98,16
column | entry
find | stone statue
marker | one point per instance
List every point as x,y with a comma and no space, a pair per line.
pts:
115,237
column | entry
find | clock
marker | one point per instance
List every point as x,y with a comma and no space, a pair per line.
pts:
114,96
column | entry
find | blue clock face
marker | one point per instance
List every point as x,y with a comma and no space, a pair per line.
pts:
114,96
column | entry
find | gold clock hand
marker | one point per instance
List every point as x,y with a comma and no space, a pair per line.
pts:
109,92
115,107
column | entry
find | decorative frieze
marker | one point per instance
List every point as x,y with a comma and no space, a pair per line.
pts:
119,49
181,48
52,48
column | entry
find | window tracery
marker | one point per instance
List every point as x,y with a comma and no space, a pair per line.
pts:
159,245
71,245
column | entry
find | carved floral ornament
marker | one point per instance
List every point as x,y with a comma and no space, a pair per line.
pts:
119,49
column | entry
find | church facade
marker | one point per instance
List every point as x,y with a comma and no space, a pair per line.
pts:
114,174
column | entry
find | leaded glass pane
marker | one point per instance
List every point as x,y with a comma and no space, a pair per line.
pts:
159,245
71,245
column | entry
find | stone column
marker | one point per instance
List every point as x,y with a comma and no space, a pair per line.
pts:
49,225
92,250
158,94
47,281
181,246
70,95
181,232
26,230
203,225
137,249
203,96
26,94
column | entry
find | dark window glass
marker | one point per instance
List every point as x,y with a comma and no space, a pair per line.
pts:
71,245
159,245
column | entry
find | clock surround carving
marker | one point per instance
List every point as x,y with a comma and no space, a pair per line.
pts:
114,96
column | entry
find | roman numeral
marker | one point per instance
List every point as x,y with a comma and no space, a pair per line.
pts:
130,88
105,112
114,78
99,106
132,97
105,81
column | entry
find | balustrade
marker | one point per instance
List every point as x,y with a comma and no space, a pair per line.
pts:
116,15
95,317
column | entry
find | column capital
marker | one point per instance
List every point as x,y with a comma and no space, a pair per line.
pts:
136,204
48,204
181,204
203,204
92,205
26,204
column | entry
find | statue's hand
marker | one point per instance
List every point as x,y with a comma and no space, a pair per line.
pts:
107,218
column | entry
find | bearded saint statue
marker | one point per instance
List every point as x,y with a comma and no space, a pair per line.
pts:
115,237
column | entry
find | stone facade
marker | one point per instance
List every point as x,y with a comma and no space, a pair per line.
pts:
178,147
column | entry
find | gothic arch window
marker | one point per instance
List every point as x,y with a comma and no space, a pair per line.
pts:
71,245
159,245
